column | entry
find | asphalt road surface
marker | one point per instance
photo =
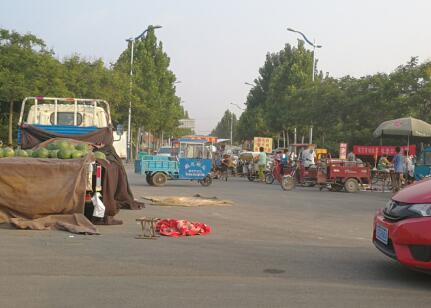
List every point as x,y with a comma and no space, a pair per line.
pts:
271,248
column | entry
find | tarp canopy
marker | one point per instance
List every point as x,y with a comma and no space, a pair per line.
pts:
44,193
403,127
116,190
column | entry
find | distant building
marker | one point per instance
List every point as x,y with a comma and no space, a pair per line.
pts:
188,123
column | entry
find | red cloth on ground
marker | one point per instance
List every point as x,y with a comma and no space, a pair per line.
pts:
180,227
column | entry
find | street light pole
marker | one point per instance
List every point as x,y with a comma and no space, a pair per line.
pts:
231,128
311,44
129,120
237,106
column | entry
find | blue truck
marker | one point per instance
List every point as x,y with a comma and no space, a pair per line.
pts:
69,117
193,162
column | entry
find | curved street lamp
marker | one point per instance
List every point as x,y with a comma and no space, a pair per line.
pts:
237,106
313,44
129,121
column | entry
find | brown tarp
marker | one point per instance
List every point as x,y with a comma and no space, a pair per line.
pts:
44,193
115,187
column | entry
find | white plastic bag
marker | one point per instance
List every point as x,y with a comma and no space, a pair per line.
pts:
99,207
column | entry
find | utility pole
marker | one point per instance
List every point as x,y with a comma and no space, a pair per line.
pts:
10,139
231,128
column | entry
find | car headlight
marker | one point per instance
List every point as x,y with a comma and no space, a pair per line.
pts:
423,209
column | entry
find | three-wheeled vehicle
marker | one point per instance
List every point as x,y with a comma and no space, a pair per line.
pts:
423,164
193,163
337,174
249,165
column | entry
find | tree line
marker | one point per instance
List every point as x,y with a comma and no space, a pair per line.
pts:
343,109
29,68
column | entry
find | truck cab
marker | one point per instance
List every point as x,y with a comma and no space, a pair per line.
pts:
67,116
86,116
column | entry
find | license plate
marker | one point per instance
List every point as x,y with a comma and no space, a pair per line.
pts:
382,234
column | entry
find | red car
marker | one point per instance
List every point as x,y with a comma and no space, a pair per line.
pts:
402,230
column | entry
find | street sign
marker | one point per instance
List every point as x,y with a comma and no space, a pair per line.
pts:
264,142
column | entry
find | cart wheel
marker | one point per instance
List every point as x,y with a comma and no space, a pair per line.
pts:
269,178
250,178
149,179
206,181
287,182
159,179
351,185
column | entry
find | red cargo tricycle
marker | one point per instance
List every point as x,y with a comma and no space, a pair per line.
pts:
337,174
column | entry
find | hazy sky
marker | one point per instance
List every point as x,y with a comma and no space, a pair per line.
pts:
216,46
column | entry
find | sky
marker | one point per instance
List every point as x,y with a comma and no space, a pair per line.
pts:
216,46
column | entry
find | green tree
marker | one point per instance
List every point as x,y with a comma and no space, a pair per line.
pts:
27,68
223,128
155,104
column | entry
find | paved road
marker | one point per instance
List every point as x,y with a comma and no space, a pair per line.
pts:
302,248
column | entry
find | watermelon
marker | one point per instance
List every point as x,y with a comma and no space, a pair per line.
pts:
29,153
21,153
8,152
82,147
77,154
99,155
42,153
63,145
64,154
1,153
53,153
52,146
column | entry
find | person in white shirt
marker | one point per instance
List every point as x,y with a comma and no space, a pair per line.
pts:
308,157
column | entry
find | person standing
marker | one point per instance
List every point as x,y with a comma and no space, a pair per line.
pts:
261,164
308,157
398,163
409,168
351,156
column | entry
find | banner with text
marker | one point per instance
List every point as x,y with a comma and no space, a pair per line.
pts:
379,150
264,142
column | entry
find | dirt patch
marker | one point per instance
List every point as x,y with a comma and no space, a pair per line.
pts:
194,201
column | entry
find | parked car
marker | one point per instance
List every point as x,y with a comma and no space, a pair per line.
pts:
402,230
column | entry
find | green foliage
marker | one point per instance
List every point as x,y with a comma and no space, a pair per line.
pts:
340,110
154,103
27,68
222,130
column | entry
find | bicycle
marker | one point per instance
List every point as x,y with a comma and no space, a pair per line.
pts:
288,182
382,177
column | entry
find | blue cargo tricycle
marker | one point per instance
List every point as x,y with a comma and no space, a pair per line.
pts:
193,162
423,164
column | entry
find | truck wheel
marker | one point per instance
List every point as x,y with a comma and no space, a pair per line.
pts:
149,179
159,179
206,181
351,185
288,183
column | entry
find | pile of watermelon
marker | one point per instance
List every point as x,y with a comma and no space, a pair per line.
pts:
59,149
